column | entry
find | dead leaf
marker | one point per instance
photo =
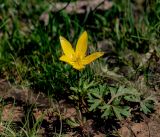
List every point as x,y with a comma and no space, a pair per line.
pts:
44,18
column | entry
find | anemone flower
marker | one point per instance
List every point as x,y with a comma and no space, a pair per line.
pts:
77,58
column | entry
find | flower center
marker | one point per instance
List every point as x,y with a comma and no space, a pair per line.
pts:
77,60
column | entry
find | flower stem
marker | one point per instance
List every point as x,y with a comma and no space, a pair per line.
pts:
78,75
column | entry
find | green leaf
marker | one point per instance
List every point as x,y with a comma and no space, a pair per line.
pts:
96,93
95,105
113,91
107,111
132,98
121,111
89,85
127,91
72,123
117,101
75,89
144,108
147,104
73,97
126,111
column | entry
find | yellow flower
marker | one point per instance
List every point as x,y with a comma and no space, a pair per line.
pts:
77,58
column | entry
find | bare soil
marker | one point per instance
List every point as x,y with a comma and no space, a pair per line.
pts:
18,100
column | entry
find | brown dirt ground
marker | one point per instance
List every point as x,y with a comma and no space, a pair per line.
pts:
147,127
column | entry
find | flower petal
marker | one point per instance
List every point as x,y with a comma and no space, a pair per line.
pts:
81,46
66,59
66,47
78,66
92,57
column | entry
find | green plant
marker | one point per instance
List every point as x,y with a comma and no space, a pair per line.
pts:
113,101
79,92
76,122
